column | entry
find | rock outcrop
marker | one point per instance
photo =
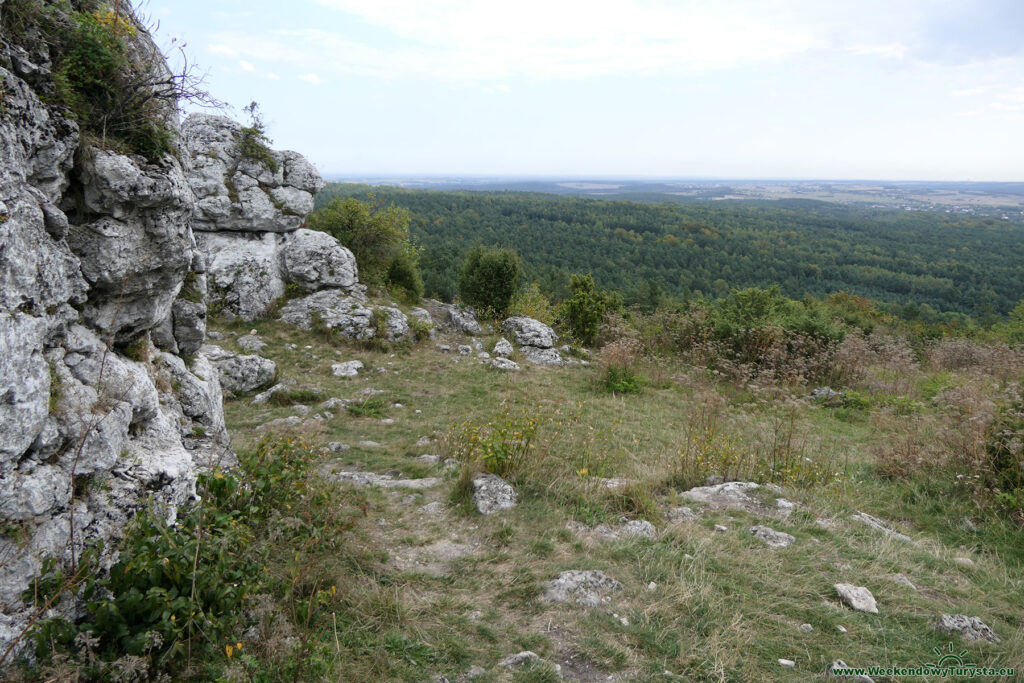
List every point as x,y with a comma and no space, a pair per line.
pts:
248,214
238,192
536,340
97,260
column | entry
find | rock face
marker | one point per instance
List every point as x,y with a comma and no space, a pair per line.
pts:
346,314
235,192
241,374
248,215
97,261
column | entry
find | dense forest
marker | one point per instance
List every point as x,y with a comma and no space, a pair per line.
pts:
916,263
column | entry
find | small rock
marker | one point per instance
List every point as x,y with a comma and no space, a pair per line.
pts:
503,348
969,628
444,348
841,629
429,459
435,508
397,405
680,514
588,588
519,659
826,394
774,539
652,586
492,494
880,525
721,529
465,349
347,369
424,441
476,615
417,412
787,663
251,343
964,561
334,404
638,527
484,355
857,597
504,364
300,409
903,581
282,423
806,628
337,447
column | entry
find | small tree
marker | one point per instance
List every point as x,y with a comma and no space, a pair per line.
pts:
583,312
377,237
489,278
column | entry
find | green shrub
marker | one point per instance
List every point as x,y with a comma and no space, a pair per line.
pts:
532,303
404,275
503,445
488,279
1004,449
179,593
370,407
420,329
253,141
113,93
584,311
375,235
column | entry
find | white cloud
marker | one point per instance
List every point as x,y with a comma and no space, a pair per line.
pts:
273,76
222,49
246,66
1010,101
460,40
312,79
886,50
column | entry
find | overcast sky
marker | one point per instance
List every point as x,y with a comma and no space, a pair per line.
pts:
893,89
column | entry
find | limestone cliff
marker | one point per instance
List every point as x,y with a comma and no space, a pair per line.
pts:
97,257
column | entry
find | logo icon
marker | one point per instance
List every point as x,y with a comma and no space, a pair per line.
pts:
947,659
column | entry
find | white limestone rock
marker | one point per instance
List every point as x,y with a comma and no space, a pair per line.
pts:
529,332
315,260
492,494
590,588
857,597
241,374
239,194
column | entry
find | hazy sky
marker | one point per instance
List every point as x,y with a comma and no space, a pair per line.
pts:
899,89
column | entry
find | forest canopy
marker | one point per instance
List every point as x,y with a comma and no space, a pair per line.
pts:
917,264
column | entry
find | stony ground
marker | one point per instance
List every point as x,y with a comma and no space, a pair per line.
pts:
723,583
